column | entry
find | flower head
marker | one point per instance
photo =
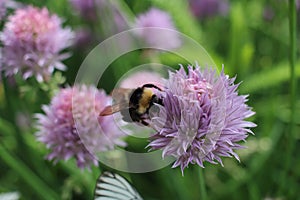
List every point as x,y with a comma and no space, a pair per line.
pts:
70,126
203,118
2,9
32,41
209,8
4,5
166,37
83,38
268,13
87,8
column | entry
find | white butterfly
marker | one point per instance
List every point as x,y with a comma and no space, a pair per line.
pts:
113,186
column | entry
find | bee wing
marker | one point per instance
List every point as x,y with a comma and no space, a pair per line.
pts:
109,110
121,96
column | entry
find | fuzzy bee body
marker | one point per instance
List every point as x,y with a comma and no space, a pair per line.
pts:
133,104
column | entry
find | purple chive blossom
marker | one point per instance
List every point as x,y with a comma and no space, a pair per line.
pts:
208,8
94,10
2,9
32,41
268,13
87,8
156,18
120,24
4,5
71,127
83,38
203,118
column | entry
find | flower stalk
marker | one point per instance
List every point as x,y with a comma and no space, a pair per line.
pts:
203,192
293,54
29,177
290,137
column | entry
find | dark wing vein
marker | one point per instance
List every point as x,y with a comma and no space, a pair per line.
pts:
114,186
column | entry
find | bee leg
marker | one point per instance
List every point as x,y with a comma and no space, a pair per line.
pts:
157,100
135,117
144,122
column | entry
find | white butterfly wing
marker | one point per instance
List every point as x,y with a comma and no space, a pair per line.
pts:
113,186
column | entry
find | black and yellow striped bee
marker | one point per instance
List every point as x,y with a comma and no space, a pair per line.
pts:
134,104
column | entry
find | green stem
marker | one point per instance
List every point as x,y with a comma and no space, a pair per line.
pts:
124,11
8,100
290,137
293,81
23,150
29,176
26,153
293,54
88,179
203,192
10,109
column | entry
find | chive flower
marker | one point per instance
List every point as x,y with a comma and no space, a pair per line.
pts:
32,42
202,118
71,127
155,18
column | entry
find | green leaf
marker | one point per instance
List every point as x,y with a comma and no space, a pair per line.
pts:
240,51
37,184
6,127
268,78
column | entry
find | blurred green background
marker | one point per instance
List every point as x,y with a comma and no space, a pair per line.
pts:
251,39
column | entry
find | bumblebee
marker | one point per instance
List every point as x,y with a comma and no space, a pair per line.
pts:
134,105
